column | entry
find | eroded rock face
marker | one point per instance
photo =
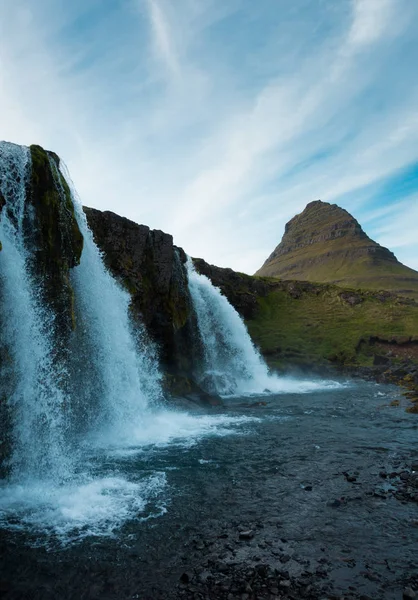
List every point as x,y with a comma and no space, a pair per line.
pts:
325,243
152,269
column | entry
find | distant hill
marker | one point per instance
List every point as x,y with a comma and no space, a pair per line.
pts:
324,243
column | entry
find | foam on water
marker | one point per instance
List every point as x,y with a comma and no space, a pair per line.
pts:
90,506
94,504
168,428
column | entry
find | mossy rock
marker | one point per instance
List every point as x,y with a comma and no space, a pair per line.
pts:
53,230
62,240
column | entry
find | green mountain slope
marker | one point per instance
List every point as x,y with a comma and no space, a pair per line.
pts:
326,244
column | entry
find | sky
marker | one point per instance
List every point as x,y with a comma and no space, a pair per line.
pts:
219,120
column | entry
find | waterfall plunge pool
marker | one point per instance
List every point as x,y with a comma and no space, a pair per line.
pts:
174,497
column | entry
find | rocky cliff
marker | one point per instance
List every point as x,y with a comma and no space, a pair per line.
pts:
151,268
51,228
325,243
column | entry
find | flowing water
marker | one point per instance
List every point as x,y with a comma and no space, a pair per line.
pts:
232,365
275,468
29,373
122,363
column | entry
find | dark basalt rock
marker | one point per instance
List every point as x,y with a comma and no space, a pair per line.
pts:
241,290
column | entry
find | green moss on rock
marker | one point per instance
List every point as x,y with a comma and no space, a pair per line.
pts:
55,234
51,198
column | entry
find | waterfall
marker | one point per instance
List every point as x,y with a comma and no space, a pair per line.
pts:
114,362
231,363
107,376
68,396
80,386
29,372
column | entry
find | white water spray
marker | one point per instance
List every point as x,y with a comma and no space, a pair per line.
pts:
232,365
30,373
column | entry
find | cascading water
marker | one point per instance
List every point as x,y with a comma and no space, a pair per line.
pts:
122,365
83,403
232,366
231,363
57,482
30,374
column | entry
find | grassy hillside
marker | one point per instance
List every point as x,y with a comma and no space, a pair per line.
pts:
316,325
303,323
326,324
312,264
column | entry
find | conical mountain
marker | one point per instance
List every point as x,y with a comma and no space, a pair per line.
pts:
324,243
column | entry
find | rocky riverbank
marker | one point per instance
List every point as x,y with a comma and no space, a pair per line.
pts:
251,561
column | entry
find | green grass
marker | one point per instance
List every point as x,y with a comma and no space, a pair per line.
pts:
320,326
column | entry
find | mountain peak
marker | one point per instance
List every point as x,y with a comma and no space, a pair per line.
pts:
325,243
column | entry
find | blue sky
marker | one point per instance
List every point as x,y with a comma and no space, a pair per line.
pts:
218,120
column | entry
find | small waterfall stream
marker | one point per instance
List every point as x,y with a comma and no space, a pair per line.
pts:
232,365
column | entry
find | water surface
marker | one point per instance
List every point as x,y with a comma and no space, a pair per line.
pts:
157,504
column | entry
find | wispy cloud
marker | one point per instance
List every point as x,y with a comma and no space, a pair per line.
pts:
370,19
163,41
218,121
